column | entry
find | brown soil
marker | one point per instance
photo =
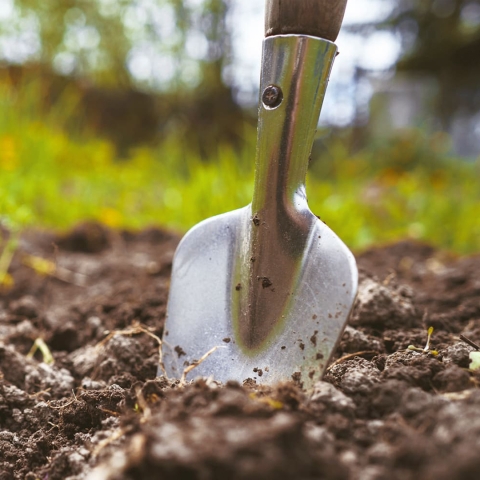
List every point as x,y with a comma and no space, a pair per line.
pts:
99,412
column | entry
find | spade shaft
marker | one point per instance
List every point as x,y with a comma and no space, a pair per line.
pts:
296,68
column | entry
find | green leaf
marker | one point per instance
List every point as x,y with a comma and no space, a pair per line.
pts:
474,361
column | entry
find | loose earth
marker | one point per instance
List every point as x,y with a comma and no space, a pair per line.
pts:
79,398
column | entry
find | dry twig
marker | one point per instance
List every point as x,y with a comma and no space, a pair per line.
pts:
470,342
350,356
195,365
45,267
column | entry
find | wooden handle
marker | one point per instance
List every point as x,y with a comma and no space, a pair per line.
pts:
319,18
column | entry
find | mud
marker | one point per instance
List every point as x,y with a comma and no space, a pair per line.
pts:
99,412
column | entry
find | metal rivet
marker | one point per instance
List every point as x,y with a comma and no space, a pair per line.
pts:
272,96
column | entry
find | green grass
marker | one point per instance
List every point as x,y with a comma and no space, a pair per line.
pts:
405,188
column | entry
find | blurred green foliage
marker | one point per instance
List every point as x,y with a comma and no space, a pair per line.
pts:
140,68
159,45
404,187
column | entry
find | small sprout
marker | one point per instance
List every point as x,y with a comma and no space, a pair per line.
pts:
141,405
429,336
415,349
474,361
426,349
39,344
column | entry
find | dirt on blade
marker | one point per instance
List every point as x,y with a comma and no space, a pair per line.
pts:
99,412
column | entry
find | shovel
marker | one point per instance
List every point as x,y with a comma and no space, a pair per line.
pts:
264,292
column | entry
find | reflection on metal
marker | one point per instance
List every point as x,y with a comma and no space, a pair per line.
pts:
270,283
300,67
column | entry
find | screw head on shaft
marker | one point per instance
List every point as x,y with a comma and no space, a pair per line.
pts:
272,96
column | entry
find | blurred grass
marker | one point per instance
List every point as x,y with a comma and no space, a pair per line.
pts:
406,187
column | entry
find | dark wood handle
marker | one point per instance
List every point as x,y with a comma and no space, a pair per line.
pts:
319,18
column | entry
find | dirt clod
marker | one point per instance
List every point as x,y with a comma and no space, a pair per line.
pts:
378,304
179,351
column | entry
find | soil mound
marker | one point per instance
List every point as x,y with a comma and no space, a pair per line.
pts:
79,396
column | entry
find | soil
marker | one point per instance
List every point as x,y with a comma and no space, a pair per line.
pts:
99,412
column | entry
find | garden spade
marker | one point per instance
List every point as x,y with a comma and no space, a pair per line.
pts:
264,292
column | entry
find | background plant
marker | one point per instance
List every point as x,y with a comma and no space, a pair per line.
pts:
405,187
83,138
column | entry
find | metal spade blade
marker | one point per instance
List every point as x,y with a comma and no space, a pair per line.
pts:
270,284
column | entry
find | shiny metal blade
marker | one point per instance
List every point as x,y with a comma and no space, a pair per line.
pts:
270,284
